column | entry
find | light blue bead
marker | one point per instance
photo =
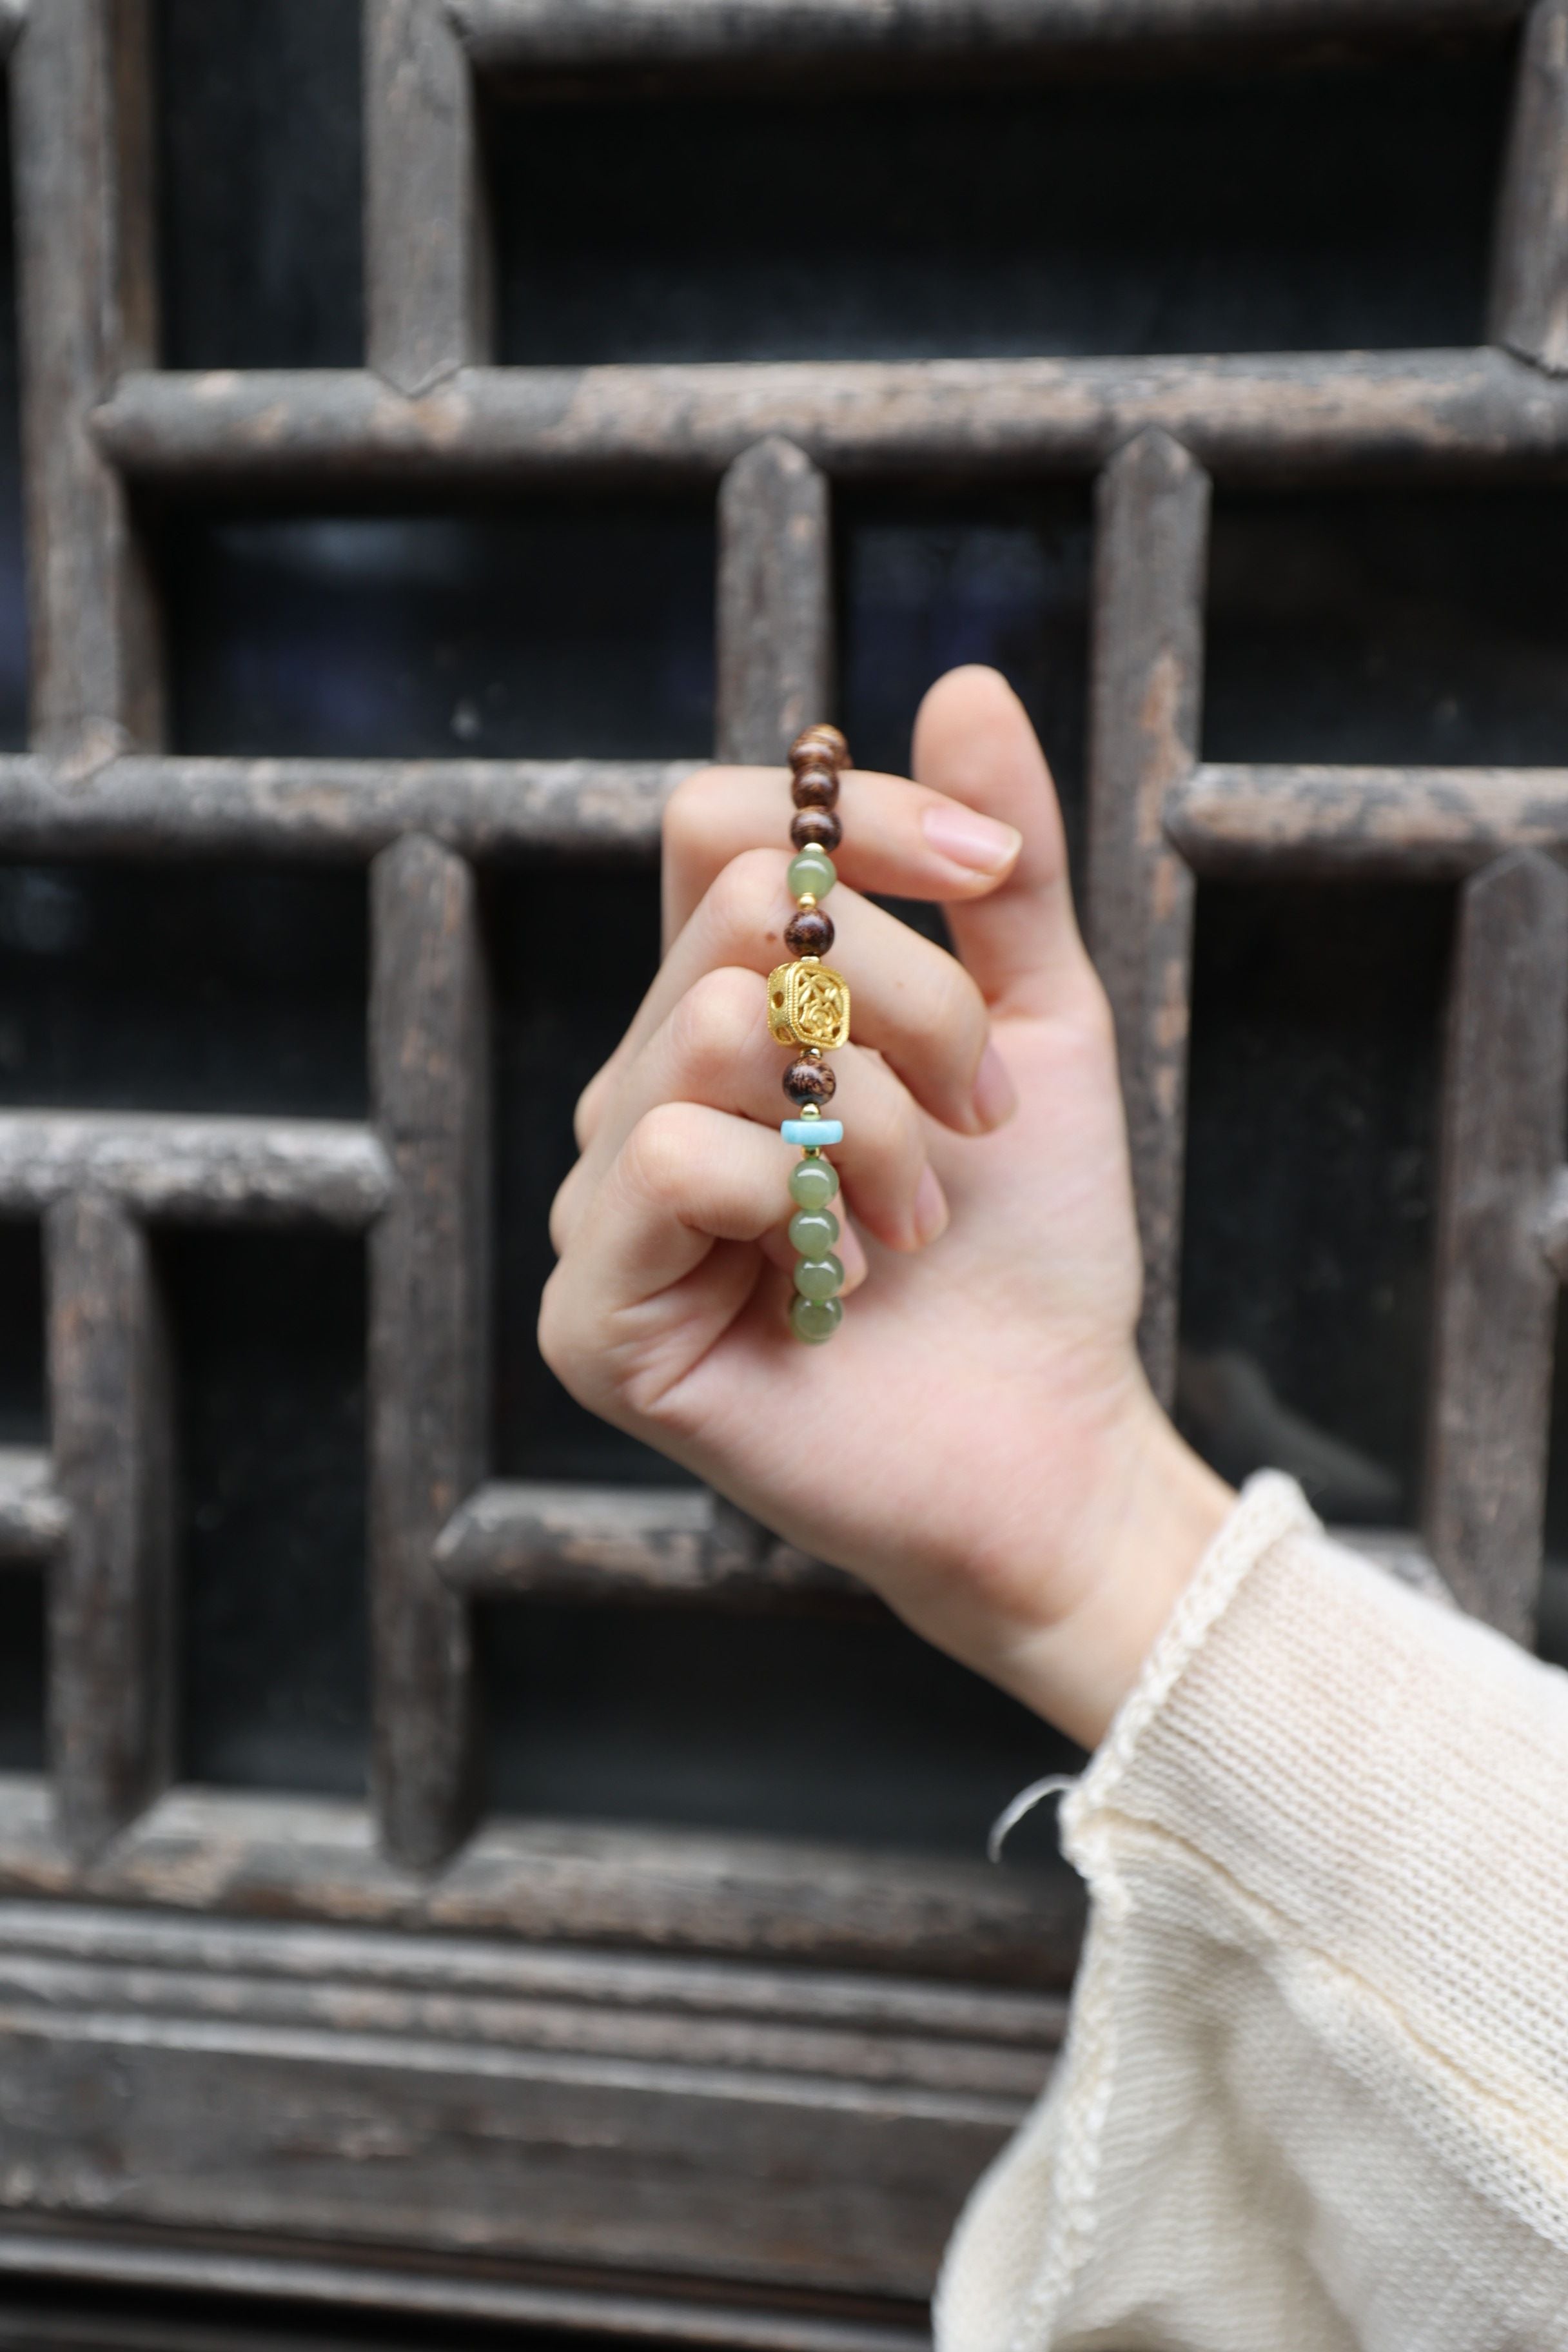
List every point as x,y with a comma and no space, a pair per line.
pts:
808,1131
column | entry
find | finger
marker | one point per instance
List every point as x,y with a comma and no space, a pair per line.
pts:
973,742
666,1258
897,837
910,1000
715,1049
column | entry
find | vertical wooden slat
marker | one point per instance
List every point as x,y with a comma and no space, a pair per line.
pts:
426,254
1529,307
79,106
776,602
1151,550
1504,1104
111,1666
429,1347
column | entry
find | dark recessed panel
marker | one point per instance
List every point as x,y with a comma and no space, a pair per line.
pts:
268,1332
929,583
21,1669
801,1727
1311,1163
183,988
1173,213
23,1412
1402,626
259,182
543,632
571,951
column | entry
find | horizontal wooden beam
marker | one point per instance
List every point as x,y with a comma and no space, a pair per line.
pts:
540,35
448,2293
621,1543
759,1899
212,1171
1405,824
33,1515
333,809
1274,417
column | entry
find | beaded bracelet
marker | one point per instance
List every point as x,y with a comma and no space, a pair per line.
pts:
808,1009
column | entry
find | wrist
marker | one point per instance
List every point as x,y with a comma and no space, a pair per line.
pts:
1162,1508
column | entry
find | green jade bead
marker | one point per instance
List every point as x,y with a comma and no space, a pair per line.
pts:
813,1232
818,1277
813,1183
815,1319
814,873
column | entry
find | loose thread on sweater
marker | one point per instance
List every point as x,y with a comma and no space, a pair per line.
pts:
1054,1784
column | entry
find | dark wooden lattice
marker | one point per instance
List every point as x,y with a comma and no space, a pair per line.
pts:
682,2086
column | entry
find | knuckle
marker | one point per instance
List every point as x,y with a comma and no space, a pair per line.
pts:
561,1218
684,823
657,1155
743,892
716,1017
555,1330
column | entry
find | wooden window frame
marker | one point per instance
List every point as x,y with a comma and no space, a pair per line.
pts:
878,2020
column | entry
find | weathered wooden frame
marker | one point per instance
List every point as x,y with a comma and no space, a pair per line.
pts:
627,1991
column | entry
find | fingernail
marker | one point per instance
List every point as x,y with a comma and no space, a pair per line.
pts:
969,839
995,1098
930,1206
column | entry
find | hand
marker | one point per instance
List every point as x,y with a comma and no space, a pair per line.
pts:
977,1440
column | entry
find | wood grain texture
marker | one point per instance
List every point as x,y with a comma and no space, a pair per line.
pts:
33,1515
1427,415
1146,682
1410,823
774,603
83,243
585,34
402,2142
1505,1101
427,290
111,1658
459,2099
1529,307
429,1331
448,2295
334,809
206,1171
630,1543
660,1891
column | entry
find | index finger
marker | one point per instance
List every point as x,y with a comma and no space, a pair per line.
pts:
899,838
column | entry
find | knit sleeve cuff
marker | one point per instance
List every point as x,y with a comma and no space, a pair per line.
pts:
1269,1509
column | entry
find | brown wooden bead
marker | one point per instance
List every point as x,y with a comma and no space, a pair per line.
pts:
816,788
809,932
816,829
821,745
809,1082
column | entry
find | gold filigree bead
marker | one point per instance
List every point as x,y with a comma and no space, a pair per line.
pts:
808,1004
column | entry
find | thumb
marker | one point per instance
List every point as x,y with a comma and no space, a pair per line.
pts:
974,741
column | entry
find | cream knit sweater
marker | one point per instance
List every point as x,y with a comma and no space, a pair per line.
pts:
1315,2087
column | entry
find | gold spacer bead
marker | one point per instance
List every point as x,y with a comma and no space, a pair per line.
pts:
806,900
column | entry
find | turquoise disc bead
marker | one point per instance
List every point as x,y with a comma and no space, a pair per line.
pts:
818,1277
813,871
812,1134
813,1183
813,1232
815,1319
